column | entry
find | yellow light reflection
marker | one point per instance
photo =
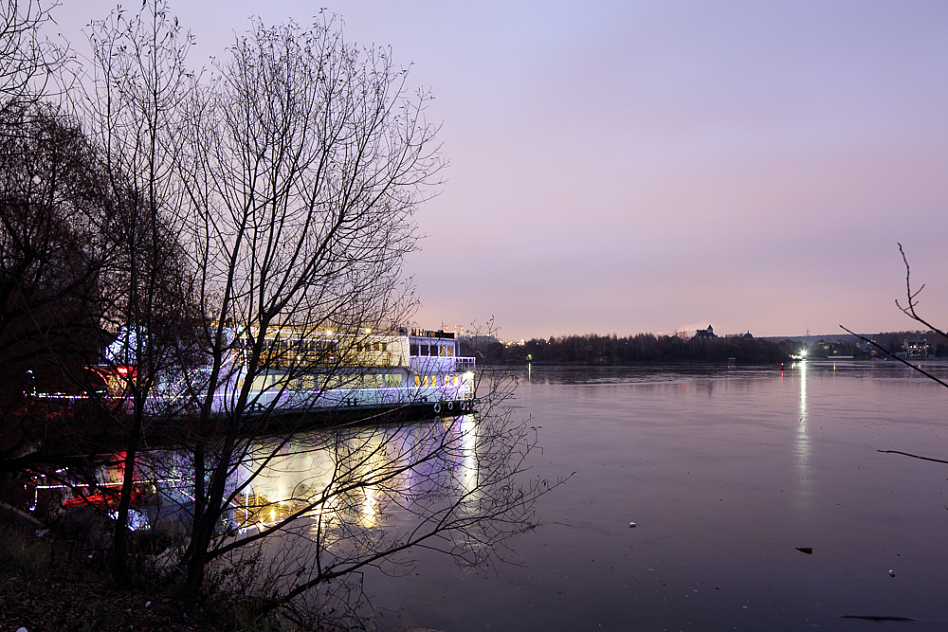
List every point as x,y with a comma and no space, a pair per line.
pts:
353,479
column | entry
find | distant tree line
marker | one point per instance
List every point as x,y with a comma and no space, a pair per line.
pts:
892,342
594,349
611,349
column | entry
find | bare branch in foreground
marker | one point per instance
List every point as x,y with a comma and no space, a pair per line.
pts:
912,298
895,357
908,310
914,456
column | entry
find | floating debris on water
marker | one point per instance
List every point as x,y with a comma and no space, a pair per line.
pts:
875,618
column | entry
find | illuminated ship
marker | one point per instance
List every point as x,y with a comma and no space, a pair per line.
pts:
301,370
363,370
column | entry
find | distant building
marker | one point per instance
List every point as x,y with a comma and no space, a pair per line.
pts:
705,334
917,348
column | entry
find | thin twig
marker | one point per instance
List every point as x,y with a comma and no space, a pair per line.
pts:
909,309
895,357
914,456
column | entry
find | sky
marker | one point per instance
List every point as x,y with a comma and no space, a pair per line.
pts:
628,167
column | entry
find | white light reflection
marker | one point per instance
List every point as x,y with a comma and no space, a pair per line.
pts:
374,457
803,443
370,515
468,479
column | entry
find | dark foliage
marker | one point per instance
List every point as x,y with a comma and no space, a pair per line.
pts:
596,349
51,200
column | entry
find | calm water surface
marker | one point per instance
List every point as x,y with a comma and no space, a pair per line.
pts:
726,472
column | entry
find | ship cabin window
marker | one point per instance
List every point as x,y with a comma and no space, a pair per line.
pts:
271,381
350,381
426,350
373,380
327,381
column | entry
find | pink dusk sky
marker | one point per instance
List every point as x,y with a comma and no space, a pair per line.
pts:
627,167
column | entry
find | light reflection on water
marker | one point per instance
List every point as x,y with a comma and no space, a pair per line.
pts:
362,479
803,442
726,473
360,476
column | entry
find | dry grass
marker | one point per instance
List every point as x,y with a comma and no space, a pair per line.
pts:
48,584
23,553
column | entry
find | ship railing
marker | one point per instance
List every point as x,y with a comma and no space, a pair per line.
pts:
465,364
371,396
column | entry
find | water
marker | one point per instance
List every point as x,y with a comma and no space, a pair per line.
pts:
726,472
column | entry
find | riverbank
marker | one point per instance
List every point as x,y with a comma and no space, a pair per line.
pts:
49,584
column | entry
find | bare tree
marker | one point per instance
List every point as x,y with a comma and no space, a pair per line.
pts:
309,158
258,221
28,63
53,203
52,199
139,82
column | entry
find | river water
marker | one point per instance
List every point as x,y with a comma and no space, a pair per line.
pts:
726,472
